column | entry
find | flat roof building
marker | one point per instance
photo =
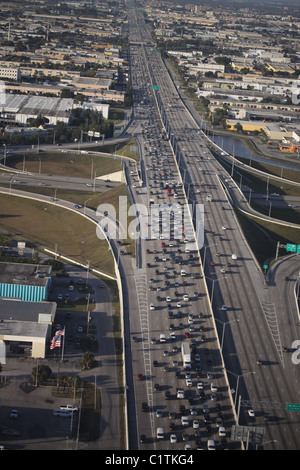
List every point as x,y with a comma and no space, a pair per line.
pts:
25,328
27,282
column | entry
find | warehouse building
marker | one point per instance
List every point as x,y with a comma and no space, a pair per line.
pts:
26,282
19,108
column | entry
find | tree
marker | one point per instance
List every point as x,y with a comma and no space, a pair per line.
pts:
40,374
88,360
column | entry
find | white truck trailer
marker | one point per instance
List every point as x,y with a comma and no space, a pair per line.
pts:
186,355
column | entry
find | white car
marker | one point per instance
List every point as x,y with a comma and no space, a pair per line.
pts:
223,228
152,307
186,298
168,299
189,382
224,307
173,438
195,424
184,421
251,413
200,386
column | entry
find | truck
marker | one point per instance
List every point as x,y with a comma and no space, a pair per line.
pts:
186,355
69,407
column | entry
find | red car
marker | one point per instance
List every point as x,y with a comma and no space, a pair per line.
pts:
187,334
212,263
163,245
140,377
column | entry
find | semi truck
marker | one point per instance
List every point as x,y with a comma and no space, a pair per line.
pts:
186,355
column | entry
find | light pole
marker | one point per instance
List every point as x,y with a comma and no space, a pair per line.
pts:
213,286
237,387
223,328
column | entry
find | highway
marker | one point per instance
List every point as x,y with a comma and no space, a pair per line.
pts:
258,370
250,359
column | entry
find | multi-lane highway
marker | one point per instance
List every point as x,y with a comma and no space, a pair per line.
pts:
239,329
261,375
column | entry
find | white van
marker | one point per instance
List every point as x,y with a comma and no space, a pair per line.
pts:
211,444
160,433
63,413
162,338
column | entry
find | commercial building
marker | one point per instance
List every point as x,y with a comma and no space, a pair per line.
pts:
26,282
11,73
25,328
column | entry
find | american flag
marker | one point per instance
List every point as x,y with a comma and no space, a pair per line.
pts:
56,340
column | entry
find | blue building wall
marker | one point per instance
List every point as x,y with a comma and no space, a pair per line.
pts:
25,292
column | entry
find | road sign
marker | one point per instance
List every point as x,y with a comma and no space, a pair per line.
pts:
291,247
266,266
298,248
155,87
253,434
293,406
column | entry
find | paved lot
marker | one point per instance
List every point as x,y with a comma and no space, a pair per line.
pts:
37,426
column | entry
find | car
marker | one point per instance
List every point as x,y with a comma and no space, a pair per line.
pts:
184,421
187,334
195,424
172,337
224,308
140,377
166,353
213,387
173,438
200,386
152,306
14,414
213,397
223,227
189,382
80,329
212,263
59,297
159,413
168,299
186,298
156,387
145,406
155,363
142,438
223,271
259,362
251,413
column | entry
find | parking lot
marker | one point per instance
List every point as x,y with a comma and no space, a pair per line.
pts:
35,427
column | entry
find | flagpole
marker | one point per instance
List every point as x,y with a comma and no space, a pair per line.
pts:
63,348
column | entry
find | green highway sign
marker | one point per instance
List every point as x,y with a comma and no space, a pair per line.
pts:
155,87
291,247
293,406
266,266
